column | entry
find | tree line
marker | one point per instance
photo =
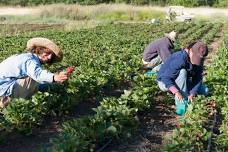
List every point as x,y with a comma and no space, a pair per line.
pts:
189,3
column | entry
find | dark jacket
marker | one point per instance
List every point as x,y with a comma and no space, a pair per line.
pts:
170,70
159,47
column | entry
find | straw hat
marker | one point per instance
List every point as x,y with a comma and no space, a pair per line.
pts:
172,35
44,42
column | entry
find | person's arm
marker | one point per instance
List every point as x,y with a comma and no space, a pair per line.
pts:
164,50
164,53
172,88
60,77
170,72
173,65
197,81
34,70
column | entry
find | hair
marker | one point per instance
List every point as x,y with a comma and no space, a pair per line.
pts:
191,45
39,50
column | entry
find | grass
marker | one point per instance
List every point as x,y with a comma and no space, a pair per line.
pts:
212,18
83,16
10,19
101,12
78,16
75,25
131,15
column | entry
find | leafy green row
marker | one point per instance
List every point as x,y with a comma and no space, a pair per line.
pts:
197,129
193,131
212,33
114,118
219,79
105,58
74,139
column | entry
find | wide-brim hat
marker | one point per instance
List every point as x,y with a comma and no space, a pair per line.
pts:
199,52
172,35
44,42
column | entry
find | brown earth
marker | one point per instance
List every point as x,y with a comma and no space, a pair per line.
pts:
155,123
41,136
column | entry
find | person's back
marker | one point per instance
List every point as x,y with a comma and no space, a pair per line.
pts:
9,63
158,47
178,58
157,51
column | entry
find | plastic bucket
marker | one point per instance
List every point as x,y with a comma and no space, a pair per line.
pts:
181,107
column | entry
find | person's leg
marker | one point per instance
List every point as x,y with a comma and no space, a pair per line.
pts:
203,90
157,68
154,64
181,82
162,87
25,88
4,101
43,87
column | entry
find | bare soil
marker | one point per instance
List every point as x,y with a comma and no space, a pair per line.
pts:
41,136
213,47
155,123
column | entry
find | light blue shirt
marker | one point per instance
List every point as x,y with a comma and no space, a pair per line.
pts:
19,66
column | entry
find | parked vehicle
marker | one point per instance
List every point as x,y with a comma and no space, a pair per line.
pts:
178,14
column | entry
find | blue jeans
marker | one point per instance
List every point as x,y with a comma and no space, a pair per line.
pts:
183,85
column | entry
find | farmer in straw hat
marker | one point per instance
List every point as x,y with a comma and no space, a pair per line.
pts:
21,74
157,51
182,74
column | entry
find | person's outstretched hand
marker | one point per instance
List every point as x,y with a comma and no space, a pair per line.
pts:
179,96
60,77
190,97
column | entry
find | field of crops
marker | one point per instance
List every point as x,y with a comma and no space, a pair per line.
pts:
107,58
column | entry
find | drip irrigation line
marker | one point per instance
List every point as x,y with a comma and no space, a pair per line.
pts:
104,146
212,128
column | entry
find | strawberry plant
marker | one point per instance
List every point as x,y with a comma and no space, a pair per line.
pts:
106,57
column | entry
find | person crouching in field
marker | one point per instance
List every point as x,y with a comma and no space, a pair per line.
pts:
158,51
21,74
182,74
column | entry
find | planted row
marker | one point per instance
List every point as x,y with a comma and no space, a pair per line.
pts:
197,131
